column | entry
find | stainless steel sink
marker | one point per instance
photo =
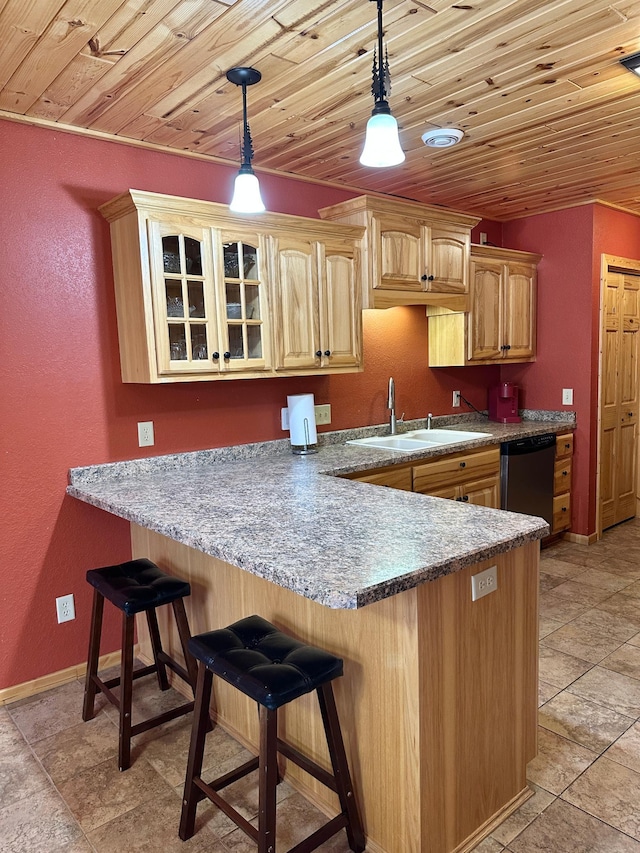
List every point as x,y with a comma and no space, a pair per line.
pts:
419,439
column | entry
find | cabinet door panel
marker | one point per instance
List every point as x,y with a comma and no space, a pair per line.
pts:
519,311
295,300
340,305
398,253
485,320
484,492
448,260
185,306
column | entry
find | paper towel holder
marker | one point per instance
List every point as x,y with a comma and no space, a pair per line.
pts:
306,448
302,424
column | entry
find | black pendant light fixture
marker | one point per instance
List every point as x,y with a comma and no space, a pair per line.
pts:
246,190
382,144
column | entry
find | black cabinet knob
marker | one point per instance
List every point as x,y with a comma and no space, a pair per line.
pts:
215,356
465,497
458,499
508,346
227,355
426,277
327,352
318,353
463,464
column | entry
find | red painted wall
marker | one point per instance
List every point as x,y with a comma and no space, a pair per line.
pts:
62,403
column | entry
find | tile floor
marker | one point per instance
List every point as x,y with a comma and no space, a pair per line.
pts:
60,788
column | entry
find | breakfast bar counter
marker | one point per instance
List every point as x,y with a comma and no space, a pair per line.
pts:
439,700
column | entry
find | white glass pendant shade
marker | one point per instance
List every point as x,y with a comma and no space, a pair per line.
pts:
246,194
382,143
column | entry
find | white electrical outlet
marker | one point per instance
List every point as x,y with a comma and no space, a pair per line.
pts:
323,414
567,396
145,434
456,399
484,582
65,608
483,238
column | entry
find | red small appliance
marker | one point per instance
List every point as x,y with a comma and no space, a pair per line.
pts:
503,403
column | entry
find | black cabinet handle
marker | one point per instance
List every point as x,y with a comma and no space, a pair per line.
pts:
327,352
215,356
458,499
318,353
463,464
465,497
227,355
426,277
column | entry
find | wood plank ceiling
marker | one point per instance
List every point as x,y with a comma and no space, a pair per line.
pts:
550,117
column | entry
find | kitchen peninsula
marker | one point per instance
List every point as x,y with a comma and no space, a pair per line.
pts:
439,700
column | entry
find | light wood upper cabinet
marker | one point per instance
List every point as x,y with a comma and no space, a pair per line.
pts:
413,254
501,323
317,304
202,293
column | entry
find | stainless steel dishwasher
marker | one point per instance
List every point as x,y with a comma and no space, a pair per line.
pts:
526,475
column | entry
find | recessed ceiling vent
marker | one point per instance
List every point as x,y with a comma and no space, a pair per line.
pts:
442,137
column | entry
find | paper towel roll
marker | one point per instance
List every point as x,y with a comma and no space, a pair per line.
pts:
302,422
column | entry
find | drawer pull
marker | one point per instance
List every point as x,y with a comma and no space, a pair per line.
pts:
465,497
463,464
564,509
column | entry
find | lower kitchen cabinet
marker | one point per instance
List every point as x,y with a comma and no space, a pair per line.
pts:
468,476
562,484
203,294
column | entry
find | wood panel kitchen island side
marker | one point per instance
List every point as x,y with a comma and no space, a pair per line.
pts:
438,702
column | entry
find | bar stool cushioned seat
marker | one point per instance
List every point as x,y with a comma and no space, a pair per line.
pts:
137,586
272,668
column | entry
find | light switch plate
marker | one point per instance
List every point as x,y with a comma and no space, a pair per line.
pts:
323,414
484,582
567,396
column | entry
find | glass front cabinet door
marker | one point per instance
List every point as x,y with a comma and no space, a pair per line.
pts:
208,300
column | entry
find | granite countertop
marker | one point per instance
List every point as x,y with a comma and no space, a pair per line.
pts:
295,522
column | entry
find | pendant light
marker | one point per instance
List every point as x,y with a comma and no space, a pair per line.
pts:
246,190
381,144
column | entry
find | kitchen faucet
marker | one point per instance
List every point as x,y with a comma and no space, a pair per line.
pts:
391,405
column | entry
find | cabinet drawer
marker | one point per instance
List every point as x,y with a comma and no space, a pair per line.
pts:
562,475
456,468
564,445
394,478
561,512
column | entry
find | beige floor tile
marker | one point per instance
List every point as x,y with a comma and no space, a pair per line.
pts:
40,823
559,668
622,606
635,640
10,734
20,774
611,689
581,593
168,753
610,792
525,815
558,763
78,748
558,567
626,750
546,692
625,566
549,582
489,845
560,609
547,626
584,722
561,828
150,827
591,636
625,660
603,580
103,793
48,713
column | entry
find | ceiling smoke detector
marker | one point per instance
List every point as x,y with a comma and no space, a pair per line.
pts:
442,137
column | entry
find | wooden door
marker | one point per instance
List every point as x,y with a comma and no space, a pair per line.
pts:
485,316
398,253
340,304
619,397
447,259
295,303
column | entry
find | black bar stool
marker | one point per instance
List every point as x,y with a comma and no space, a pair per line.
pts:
272,668
135,587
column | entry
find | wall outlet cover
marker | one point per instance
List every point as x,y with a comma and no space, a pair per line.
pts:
567,396
145,434
65,608
484,582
